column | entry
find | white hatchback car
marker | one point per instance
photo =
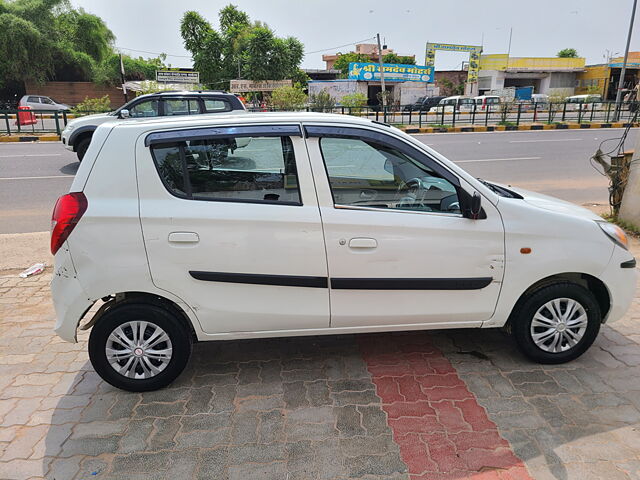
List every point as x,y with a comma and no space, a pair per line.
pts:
262,225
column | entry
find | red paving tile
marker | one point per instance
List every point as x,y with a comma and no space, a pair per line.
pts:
442,431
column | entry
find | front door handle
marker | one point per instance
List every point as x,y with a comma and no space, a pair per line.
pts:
184,237
363,243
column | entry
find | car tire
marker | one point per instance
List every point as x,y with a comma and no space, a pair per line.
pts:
564,313
118,352
82,147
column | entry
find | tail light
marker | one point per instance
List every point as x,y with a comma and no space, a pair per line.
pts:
66,215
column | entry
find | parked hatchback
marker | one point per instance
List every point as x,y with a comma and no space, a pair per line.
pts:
77,134
423,104
40,102
260,225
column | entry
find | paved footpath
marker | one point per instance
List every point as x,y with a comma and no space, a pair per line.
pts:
425,405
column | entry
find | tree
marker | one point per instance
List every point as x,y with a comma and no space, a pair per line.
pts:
344,59
567,53
48,39
288,98
108,71
393,58
241,48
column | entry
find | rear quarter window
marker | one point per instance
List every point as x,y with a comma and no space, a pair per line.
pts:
213,105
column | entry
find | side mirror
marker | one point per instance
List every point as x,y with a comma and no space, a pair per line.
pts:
388,166
476,206
124,113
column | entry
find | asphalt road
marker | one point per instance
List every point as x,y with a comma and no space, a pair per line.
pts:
554,162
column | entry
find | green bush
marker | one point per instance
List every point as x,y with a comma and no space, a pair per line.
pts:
322,101
93,105
354,100
289,98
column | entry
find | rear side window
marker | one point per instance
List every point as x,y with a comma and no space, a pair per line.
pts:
241,169
33,99
181,106
213,105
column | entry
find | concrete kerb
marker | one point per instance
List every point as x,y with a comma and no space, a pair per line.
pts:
508,128
30,138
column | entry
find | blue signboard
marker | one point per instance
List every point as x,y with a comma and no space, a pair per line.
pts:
392,72
629,65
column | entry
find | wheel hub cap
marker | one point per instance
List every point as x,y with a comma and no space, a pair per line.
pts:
559,325
138,349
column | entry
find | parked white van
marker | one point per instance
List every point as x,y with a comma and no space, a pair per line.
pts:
584,102
487,101
457,102
320,224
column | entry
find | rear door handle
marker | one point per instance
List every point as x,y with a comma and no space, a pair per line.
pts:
184,237
363,243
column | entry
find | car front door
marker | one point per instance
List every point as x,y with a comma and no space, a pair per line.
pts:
400,251
231,225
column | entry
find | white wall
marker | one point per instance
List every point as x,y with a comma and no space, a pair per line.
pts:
337,88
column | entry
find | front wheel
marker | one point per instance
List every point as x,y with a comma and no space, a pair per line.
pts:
82,147
557,323
139,347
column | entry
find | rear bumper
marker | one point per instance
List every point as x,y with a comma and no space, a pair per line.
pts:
621,282
69,298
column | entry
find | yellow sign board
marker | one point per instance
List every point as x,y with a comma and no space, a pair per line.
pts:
474,56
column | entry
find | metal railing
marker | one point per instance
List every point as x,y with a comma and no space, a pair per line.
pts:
37,121
507,114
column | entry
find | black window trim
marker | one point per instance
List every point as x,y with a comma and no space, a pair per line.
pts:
188,195
203,133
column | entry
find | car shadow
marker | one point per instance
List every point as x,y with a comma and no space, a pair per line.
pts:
252,396
70,168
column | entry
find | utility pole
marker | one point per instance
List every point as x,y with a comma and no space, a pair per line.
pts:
624,64
384,91
124,88
509,49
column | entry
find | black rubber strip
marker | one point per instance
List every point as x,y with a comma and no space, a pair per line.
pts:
410,283
256,279
346,283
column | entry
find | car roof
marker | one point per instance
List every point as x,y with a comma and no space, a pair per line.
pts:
243,117
170,93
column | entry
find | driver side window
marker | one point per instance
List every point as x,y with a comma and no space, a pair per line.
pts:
363,173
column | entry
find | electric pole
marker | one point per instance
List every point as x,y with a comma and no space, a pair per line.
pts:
624,64
124,88
384,91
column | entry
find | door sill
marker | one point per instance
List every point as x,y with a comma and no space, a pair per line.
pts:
336,330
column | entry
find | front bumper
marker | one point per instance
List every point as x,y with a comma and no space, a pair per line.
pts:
65,140
69,298
621,281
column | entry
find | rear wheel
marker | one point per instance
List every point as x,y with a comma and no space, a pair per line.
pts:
557,323
139,347
82,147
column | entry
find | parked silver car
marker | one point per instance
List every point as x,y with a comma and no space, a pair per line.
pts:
40,102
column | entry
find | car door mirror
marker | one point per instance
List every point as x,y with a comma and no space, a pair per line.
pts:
124,113
388,167
476,205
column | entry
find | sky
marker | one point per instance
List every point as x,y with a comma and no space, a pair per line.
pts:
540,28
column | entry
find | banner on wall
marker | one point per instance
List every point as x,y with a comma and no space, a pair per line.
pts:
392,72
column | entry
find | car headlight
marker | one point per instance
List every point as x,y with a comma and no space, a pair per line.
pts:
615,233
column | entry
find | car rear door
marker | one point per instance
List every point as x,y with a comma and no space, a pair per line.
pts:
400,252
231,225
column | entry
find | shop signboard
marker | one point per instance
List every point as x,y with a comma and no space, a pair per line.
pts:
392,72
